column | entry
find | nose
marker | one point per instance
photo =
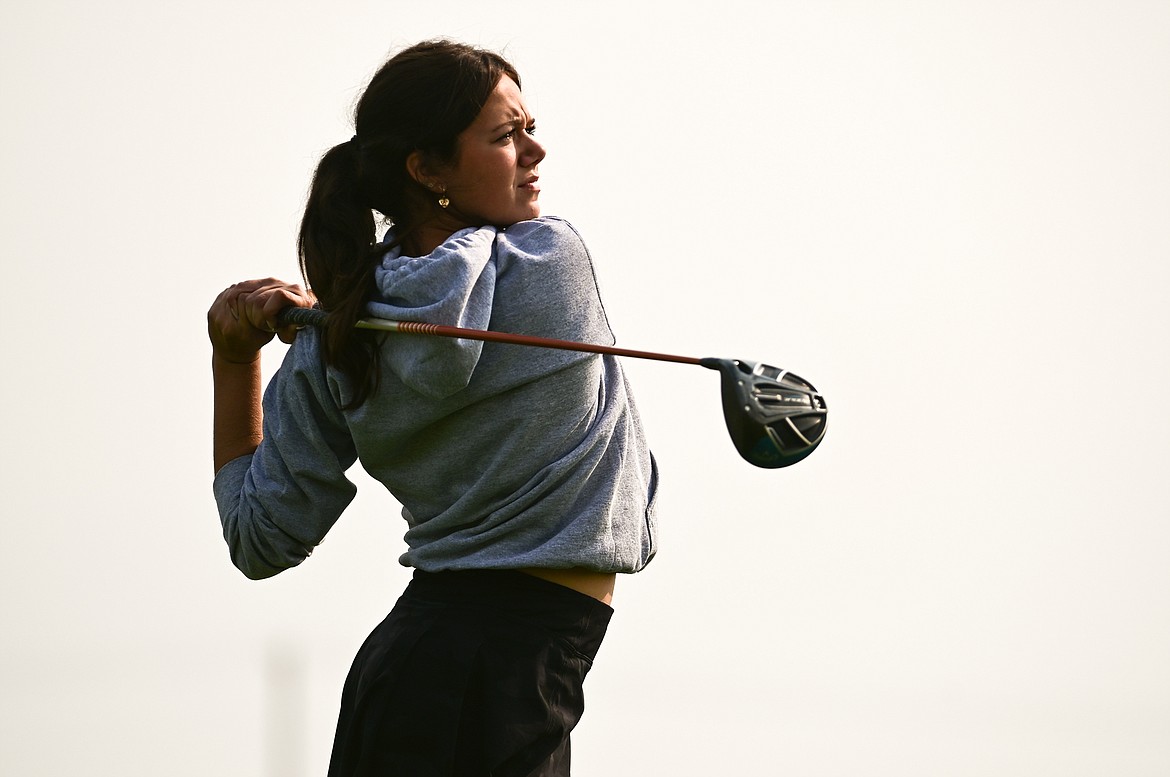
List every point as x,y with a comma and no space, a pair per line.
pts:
532,153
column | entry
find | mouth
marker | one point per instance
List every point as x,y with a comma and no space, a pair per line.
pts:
531,184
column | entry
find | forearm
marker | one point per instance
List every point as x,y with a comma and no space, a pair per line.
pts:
243,318
238,417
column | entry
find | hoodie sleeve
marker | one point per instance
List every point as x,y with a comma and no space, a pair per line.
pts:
278,503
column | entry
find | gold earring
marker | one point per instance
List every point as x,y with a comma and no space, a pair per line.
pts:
443,201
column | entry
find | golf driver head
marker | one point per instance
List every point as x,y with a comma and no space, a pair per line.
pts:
775,418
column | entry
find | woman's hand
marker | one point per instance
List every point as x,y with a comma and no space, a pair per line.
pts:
243,317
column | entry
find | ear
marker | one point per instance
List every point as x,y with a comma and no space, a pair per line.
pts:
419,168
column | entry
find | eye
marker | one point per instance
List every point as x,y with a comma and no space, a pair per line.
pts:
511,134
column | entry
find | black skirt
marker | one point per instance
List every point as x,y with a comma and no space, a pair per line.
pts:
471,674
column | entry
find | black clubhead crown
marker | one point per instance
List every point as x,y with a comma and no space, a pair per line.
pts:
775,418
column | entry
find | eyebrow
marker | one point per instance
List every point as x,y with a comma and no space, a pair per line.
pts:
512,122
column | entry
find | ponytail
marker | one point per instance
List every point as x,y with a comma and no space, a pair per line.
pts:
338,256
420,100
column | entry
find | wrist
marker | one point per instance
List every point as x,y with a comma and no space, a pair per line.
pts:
220,359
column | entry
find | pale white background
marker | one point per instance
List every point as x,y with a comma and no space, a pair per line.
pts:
954,217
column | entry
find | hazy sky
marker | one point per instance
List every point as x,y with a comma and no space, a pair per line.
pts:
950,216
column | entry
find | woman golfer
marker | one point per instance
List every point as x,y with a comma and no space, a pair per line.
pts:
525,479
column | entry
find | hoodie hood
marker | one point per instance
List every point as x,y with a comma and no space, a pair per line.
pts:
454,285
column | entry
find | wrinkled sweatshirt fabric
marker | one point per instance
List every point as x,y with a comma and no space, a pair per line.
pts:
502,456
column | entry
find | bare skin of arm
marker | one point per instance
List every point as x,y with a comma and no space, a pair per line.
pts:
240,322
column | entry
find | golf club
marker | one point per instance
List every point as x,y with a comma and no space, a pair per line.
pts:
775,418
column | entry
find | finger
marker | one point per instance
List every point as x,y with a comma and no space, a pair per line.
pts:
256,305
229,299
274,300
224,310
264,305
252,314
232,335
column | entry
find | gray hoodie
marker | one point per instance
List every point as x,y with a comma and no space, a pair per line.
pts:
503,456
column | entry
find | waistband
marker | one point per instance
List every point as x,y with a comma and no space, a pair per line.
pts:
567,613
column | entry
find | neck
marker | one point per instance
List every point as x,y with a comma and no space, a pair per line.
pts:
431,234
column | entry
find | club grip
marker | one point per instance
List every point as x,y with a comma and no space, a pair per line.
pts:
302,317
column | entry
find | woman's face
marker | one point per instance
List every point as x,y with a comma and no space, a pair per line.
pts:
493,179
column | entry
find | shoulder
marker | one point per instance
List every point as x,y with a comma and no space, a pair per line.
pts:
303,376
546,232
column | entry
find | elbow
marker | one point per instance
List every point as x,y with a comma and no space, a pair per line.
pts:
254,571
260,556
257,565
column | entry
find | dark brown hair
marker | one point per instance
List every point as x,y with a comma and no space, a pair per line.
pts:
420,100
